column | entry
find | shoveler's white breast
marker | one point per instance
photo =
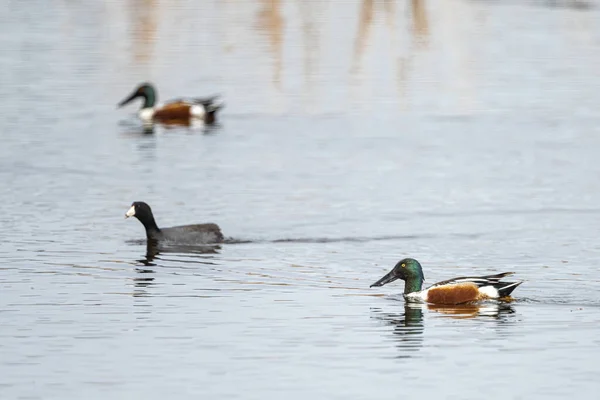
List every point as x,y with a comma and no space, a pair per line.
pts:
197,111
146,114
417,296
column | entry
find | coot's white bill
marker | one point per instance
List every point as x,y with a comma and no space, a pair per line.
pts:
130,212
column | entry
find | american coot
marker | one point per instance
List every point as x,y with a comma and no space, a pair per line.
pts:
452,291
177,111
186,234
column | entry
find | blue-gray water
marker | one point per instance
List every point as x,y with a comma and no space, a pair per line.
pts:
462,133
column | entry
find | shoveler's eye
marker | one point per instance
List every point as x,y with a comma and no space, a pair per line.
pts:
403,265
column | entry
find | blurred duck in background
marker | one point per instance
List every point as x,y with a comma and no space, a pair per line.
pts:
181,111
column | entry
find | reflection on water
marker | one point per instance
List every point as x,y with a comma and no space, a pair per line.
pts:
420,23
423,46
143,15
145,276
407,327
310,12
153,250
511,185
270,23
403,60
495,309
365,21
135,127
142,281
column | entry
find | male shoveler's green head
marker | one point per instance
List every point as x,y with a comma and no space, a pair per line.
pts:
410,271
145,91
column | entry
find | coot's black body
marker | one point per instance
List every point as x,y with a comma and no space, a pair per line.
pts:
185,234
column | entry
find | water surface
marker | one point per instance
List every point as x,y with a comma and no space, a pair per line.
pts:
460,133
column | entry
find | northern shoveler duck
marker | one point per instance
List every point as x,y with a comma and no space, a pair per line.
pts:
452,291
178,111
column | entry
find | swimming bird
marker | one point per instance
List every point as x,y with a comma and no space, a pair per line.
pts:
186,234
177,111
452,291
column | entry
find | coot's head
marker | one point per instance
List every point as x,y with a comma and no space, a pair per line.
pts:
143,212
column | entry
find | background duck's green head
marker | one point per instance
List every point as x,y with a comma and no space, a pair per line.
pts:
409,270
145,91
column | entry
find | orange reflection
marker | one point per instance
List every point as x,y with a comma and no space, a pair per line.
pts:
420,25
419,29
144,26
465,311
311,47
365,20
270,22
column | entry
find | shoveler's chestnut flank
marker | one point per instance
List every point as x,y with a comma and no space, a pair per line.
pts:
178,111
453,291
